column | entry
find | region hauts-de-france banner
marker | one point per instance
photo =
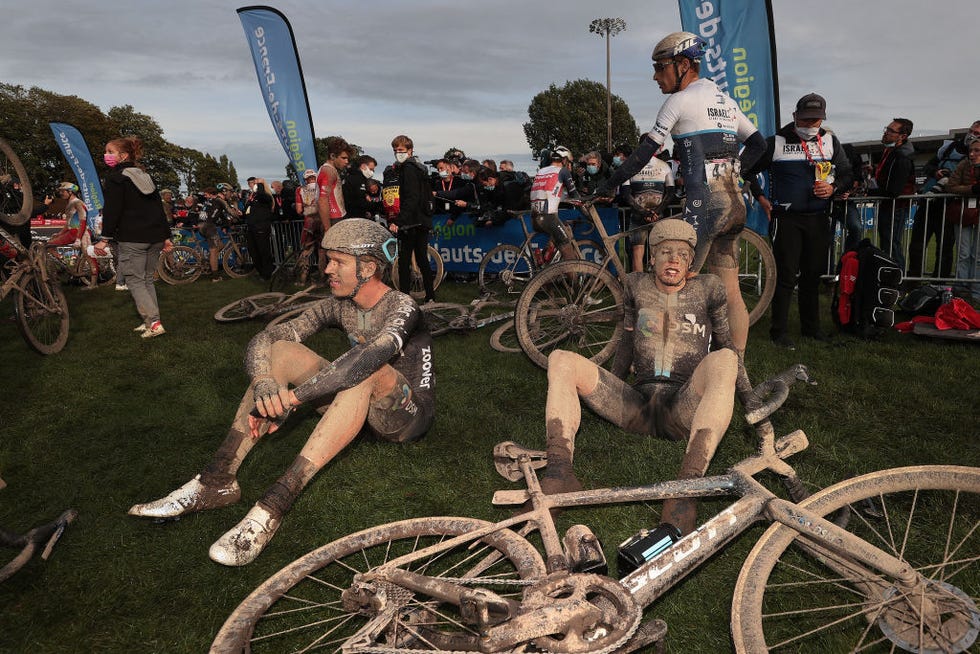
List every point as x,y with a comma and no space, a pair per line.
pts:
270,39
741,59
80,159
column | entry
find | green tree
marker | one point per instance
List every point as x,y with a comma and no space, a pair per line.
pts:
574,115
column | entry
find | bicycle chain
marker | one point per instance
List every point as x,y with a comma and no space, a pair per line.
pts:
513,582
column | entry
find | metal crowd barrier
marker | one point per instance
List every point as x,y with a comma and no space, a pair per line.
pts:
924,233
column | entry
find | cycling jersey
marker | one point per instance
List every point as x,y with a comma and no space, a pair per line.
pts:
551,185
707,127
672,331
391,332
306,197
328,181
647,187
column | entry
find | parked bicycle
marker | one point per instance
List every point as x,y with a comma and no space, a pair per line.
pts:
578,305
190,256
275,305
446,317
899,578
506,269
73,264
40,306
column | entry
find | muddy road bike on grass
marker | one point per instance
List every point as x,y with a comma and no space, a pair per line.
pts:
829,575
40,306
449,317
578,305
274,306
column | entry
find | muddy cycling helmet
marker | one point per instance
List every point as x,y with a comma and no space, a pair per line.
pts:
309,172
68,186
672,229
679,44
223,187
360,236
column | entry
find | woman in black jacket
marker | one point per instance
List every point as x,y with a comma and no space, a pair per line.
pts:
133,216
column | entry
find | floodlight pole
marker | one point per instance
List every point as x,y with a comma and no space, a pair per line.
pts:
608,27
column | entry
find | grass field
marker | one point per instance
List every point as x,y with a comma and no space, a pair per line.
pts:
114,419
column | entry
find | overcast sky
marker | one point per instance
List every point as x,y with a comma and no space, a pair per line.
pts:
462,73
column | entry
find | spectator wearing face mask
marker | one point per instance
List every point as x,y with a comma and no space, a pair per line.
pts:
595,171
355,187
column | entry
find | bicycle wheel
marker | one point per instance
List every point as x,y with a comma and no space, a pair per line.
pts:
756,273
252,306
443,316
293,271
417,287
590,250
504,271
42,314
15,210
316,603
504,338
572,305
292,313
794,595
236,260
182,265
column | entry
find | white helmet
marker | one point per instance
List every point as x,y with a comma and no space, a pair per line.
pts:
679,44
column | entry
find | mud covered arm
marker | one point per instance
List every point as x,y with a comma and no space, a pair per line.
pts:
624,355
258,364
363,360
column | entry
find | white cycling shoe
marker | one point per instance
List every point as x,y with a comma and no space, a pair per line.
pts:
189,498
245,542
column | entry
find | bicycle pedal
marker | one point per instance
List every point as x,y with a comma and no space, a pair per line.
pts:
507,454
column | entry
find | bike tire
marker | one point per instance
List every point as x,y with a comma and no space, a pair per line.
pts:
417,288
292,313
42,320
268,619
236,260
505,271
756,273
440,316
181,265
15,213
251,306
590,250
504,338
572,305
930,520
294,271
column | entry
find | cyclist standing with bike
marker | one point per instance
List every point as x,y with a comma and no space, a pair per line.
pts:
554,183
385,382
681,391
707,126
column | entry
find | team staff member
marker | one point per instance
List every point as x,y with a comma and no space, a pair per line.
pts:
807,165
707,127
384,381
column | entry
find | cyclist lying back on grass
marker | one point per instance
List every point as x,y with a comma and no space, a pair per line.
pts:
681,389
385,380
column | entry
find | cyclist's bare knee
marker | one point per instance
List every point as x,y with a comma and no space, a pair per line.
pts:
565,367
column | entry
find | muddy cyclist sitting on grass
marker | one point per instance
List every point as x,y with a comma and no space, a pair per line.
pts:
385,380
681,391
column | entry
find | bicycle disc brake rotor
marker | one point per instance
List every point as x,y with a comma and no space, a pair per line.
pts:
620,614
935,618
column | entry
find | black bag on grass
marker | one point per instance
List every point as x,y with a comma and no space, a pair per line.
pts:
867,289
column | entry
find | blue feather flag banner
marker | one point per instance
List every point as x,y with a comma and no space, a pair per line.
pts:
740,58
76,152
270,39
